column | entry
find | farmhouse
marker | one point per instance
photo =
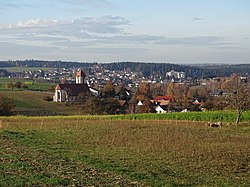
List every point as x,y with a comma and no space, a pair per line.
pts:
72,92
161,109
162,103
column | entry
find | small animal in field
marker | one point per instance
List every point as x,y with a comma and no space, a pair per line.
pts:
214,124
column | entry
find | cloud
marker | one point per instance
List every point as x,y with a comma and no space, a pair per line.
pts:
94,3
105,24
194,41
197,19
36,23
131,39
82,31
99,35
4,5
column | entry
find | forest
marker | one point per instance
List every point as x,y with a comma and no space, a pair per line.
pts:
148,69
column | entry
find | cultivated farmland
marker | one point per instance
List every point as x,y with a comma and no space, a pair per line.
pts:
86,151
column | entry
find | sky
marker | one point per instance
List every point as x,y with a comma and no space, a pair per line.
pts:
171,31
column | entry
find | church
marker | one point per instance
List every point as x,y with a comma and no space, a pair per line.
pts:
73,92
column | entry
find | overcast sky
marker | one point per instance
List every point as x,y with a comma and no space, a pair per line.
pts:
176,31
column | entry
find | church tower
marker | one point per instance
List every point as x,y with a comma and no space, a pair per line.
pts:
80,76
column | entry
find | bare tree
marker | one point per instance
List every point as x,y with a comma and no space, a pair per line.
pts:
238,96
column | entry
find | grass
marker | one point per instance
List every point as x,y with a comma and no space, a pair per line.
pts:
35,85
100,151
30,101
21,69
226,116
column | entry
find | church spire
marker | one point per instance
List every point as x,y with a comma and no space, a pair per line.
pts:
80,76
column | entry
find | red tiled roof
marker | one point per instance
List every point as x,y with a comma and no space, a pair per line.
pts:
164,102
163,98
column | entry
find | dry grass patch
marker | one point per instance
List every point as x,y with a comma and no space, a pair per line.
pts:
145,152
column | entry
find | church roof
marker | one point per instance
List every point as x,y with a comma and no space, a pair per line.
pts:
74,89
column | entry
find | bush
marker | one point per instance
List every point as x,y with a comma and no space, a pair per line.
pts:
25,86
48,98
101,106
6,105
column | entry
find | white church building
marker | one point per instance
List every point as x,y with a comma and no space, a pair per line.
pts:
73,92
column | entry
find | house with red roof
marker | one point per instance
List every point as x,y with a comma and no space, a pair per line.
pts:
162,103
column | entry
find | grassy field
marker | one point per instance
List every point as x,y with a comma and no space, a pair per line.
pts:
30,101
35,85
21,69
224,116
99,151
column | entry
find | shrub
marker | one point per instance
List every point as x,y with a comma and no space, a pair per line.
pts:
25,86
101,106
48,98
6,105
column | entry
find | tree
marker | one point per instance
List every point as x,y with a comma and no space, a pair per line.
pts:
51,88
10,86
25,86
6,105
147,107
95,105
123,94
132,105
237,96
109,89
110,106
18,85
92,106
144,89
170,89
157,89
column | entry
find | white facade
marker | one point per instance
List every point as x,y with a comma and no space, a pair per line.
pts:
60,96
139,103
176,74
160,110
79,80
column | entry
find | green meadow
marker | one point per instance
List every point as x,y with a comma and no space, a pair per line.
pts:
32,103
102,151
33,85
71,149
21,69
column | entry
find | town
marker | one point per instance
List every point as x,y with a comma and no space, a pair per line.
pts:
127,90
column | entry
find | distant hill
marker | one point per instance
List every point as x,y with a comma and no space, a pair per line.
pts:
215,70
147,69
42,63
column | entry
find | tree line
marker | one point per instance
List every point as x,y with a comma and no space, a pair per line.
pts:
147,69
